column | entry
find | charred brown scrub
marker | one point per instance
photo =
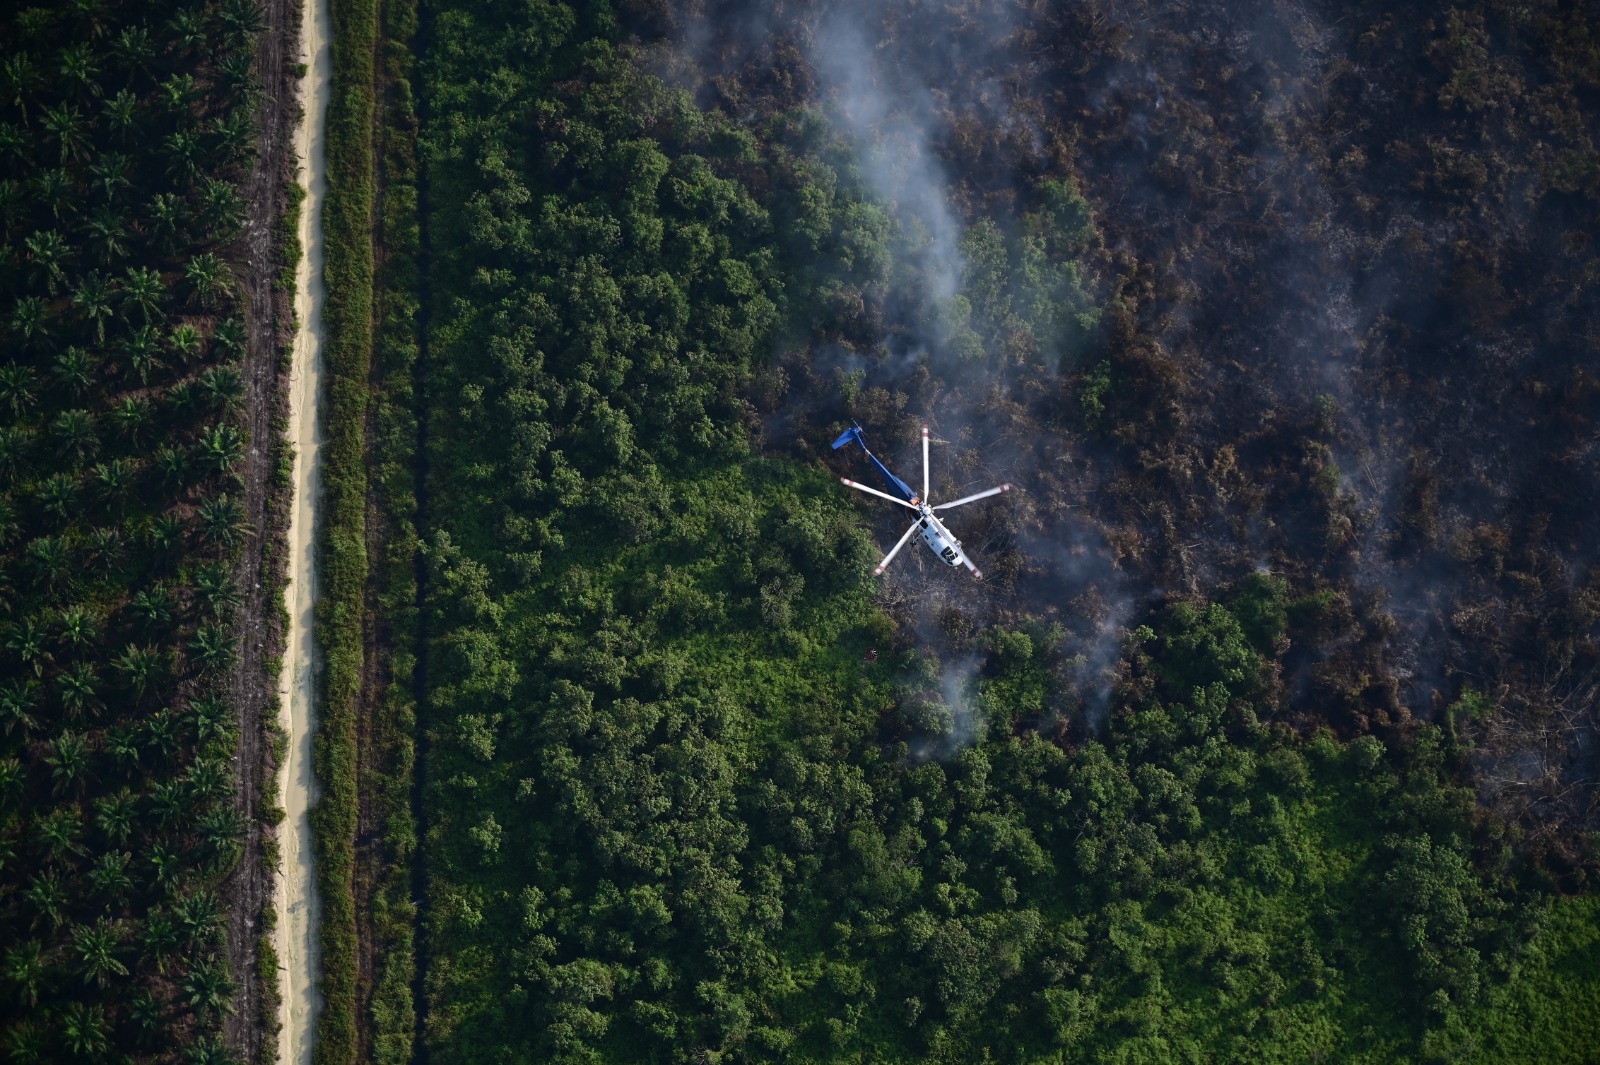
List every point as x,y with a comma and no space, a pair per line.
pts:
1349,315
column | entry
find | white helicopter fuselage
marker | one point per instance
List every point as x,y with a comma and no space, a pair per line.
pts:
940,540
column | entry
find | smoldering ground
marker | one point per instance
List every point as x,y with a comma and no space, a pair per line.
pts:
1349,310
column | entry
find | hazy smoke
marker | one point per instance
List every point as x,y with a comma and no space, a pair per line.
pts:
890,118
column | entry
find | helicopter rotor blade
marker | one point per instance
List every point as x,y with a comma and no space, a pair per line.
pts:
875,492
895,550
924,462
973,498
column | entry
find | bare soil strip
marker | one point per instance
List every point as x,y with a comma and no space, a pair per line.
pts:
297,902
257,265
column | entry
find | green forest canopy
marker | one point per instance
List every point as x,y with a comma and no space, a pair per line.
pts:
672,812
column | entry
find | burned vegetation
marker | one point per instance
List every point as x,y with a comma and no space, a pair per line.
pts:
1337,322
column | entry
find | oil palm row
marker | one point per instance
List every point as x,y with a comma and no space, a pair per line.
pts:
125,131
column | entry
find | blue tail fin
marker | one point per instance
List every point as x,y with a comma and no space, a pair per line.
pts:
896,485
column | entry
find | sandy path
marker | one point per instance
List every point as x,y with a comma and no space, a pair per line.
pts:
297,903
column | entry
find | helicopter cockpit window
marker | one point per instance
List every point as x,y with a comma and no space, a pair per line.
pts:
949,554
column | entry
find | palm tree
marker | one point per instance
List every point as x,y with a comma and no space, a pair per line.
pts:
57,190
24,970
30,319
48,252
77,626
18,81
91,18
122,744
122,114
87,1033
145,1012
78,689
208,990
17,705
165,863
66,125
211,1051
153,608
141,348
29,1043
113,481
16,387
207,779
105,547
222,208
173,465
168,221
168,803
220,830
52,562
109,875
213,585
230,337
213,646
134,416
48,897
161,735
159,938
12,779
96,947
10,524
242,20
188,29
26,640
186,342
222,520
59,830
74,371
93,300
142,666
164,533
183,398
212,717
107,233
200,916
31,23
15,147
238,78
79,68
13,204
209,277
132,49
69,762
224,386
220,447
144,289
115,815
14,442
60,496
111,175
186,154
74,431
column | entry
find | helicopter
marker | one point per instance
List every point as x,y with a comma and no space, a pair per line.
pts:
940,540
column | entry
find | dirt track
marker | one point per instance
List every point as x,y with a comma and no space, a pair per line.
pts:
296,900
257,261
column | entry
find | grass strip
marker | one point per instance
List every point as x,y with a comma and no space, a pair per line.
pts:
348,319
391,731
